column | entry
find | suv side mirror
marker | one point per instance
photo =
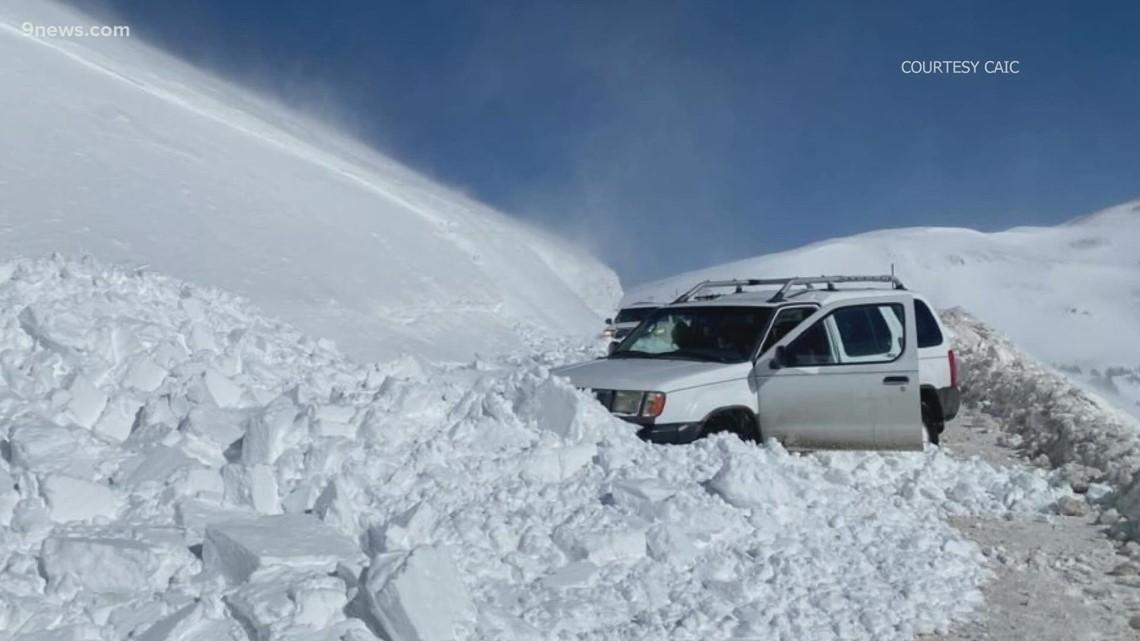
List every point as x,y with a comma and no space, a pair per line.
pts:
779,358
611,347
609,321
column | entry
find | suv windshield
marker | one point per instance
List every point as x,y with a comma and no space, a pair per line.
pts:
716,334
634,314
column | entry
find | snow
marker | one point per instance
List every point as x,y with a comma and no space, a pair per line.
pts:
170,169
1074,429
516,504
1067,295
72,499
419,595
237,548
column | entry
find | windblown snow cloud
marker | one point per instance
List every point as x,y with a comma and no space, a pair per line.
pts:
117,150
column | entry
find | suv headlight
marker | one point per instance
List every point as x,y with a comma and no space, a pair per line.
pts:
627,403
644,404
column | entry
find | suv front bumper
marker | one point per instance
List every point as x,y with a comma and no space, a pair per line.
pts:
666,433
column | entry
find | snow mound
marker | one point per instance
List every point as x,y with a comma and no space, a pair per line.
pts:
171,169
1077,281
254,483
1069,425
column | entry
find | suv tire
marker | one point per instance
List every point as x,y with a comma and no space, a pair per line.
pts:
738,422
932,421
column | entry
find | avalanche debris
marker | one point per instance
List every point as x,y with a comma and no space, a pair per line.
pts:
265,487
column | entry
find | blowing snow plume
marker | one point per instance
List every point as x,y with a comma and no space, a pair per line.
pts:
114,149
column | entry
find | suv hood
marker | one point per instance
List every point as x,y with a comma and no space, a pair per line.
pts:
649,374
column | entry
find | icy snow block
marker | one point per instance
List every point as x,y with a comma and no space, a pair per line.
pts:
104,564
405,530
160,464
237,548
71,499
145,376
86,403
280,601
266,436
418,595
224,392
253,485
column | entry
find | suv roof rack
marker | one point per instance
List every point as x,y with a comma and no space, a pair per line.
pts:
785,285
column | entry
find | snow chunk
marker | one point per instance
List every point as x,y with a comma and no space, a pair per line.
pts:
269,431
105,564
280,600
418,595
86,403
404,532
71,499
251,485
237,548
602,538
145,376
224,392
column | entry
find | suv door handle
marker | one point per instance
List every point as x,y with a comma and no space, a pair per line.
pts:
896,380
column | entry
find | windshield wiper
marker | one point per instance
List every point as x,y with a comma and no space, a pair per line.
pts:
633,353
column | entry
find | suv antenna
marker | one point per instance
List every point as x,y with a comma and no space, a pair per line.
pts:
892,270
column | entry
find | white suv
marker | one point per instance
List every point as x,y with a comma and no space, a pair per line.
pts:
812,364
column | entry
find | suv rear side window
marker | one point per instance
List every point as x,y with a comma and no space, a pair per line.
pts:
865,332
929,334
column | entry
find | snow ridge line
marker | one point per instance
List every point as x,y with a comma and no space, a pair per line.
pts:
1070,426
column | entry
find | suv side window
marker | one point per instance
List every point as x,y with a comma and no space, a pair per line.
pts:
862,334
929,334
813,347
786,320
869,333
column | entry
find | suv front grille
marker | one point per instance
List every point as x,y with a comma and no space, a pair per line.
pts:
605,397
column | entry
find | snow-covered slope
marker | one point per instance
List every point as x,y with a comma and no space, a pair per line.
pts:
1069,295
112,148
179,468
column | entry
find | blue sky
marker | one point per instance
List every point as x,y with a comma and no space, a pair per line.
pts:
673,135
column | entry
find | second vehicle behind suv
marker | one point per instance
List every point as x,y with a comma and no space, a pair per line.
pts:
813,362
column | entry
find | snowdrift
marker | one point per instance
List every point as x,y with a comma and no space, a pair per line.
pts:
114,149
1068,295
176,466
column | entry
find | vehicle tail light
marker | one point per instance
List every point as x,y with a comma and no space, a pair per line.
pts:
653,404
953,368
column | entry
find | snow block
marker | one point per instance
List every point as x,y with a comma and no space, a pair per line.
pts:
44,447
236,548
278,601
554,465
145,376
118,419
86,403
160,464
418,595
104,565
224,392
253,486
607,539
268,433
405,531
71,499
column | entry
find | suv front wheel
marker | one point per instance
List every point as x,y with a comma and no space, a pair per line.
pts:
737,421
